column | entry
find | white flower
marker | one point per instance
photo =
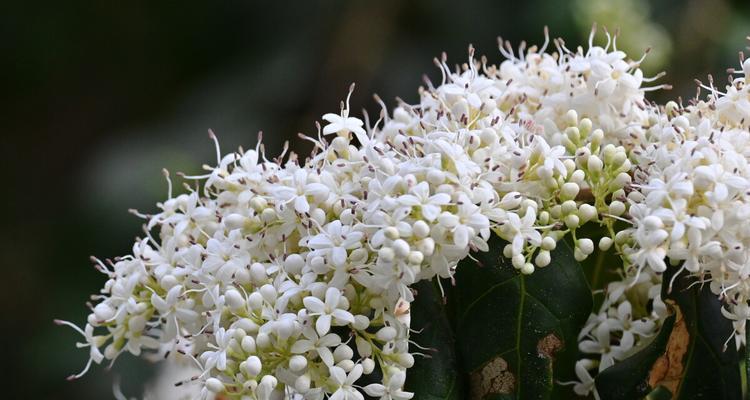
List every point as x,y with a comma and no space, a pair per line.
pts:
430,206
343,124
585,383
328,311
393,390
335,241
345,383
173,310
254,267
321,345
92,342
218,358
518,230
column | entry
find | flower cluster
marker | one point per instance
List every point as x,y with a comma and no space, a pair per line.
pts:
693,178
290,278
630,315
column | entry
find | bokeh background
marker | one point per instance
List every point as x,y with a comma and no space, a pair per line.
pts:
98,97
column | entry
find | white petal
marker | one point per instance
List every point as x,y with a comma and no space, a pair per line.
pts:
323,324
314,304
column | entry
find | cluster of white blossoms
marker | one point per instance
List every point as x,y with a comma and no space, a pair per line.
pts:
627,320
689,211
287,278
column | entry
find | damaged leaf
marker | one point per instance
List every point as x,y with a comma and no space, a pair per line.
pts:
516,334
687,358
627,379
668,369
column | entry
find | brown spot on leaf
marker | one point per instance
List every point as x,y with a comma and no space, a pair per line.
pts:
492,378
548,346
667,370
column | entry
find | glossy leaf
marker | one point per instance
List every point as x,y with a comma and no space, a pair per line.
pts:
511,328
702,368
628,379
710,370
436,377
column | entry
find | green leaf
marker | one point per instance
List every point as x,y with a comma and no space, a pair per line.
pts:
628,379
660,393
436,377
515,334
694,363
710,370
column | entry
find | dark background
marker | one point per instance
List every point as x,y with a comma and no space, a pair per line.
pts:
97,97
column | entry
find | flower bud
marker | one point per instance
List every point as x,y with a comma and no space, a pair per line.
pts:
427,246
572,221
263,341
214,385
578,254
103,312
234,299
542,259
258,203
406,360
578,176
401,248
586,245
621,237
391,232
302,384
269,293
420,229
258,272
364,348
543,217
571,118
269,381
343,352
587,212
585,125
361,322
416,258
569,206
616,208
386,334
569,191
297,363
346,365
248,344
527,269
386,254
368,365
293,263
253,366
594,164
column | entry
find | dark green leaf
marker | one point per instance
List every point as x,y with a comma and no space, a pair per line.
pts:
706,370
710,369
628,379
436,377
660,393
510,328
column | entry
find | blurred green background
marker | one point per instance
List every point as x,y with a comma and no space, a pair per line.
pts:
98,97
